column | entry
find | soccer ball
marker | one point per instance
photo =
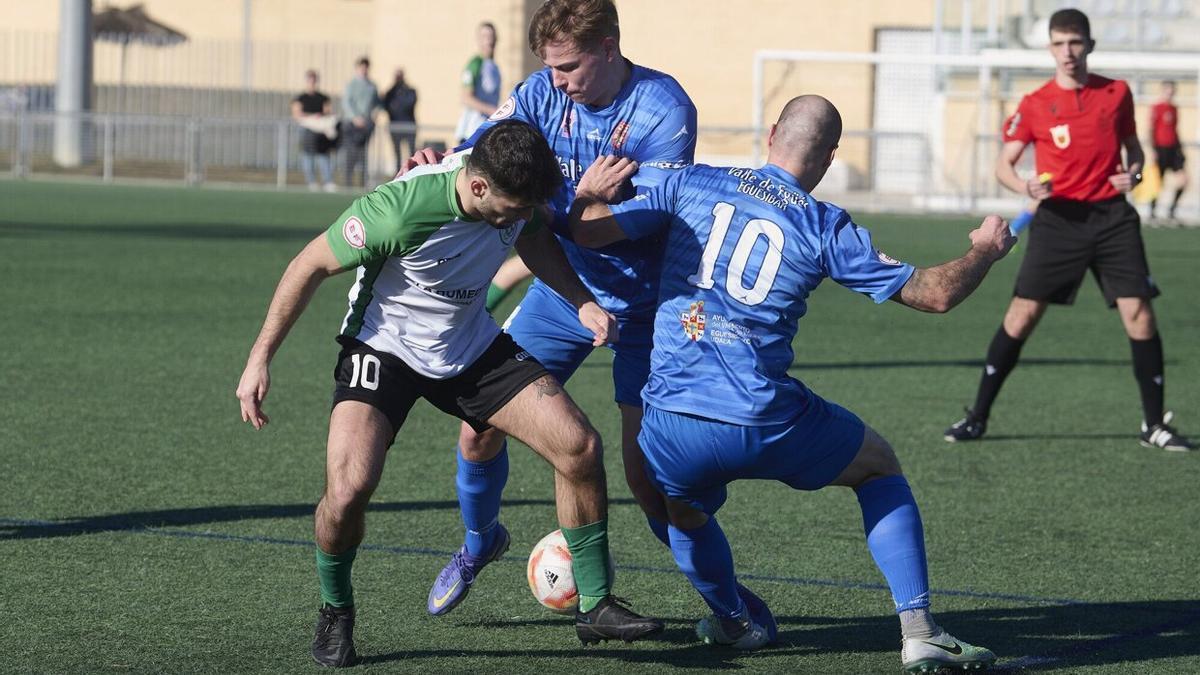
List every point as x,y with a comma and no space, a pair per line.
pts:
550,575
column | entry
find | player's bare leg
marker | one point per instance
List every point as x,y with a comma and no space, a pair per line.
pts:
359,436
896,539
1020,319
651,501
545,418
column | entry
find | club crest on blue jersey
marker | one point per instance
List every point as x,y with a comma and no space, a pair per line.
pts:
693,321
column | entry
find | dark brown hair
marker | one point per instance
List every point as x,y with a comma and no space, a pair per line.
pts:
1071,21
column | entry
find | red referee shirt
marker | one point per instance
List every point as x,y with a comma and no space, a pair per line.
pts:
1163,118
1076,134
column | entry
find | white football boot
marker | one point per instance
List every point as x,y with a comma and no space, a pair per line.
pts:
928,655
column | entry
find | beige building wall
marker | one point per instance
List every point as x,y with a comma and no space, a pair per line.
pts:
708,45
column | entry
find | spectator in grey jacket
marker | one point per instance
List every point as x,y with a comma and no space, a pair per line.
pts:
359,102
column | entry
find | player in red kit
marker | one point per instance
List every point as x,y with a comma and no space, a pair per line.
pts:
1078,123
1168,152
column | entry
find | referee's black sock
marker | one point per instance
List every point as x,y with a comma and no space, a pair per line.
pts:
1148,371
1175,202
1002,357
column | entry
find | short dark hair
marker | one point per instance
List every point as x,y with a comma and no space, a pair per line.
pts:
363,61
583,23
1071,21
516,160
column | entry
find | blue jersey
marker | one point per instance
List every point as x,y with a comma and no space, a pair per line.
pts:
652,121
745,248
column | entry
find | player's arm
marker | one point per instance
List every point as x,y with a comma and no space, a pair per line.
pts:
545,258
315,263
1006,172
940,288
1125,179
591,221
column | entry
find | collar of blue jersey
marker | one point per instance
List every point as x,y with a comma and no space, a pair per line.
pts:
782,174
622,93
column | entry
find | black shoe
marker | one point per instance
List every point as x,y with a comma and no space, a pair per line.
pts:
969,428
610,620
1164,437
333,644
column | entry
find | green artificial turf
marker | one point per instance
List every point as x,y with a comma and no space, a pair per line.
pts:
145,528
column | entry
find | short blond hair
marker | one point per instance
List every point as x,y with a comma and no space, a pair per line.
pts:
582,22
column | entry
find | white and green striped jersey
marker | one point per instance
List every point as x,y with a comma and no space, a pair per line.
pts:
423,270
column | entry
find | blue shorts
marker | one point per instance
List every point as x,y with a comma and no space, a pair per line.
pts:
691,459
547,326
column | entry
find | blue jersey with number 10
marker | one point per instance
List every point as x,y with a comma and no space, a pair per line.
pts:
745,248
651,120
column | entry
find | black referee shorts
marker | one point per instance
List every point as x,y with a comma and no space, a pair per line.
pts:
1168,158
388,384
1067,238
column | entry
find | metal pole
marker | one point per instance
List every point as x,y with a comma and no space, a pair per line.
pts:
281,155
108,148
247,45
72,93
20,167
967,27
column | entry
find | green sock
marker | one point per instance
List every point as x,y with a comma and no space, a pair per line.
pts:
333,571
589,562
495,296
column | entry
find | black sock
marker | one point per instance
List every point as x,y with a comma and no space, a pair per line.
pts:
1148,371
1001,359
1175,202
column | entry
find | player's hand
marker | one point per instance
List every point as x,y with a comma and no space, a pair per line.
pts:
992,238
251,391
1038,189
606,176
1122,180
420,158
598,320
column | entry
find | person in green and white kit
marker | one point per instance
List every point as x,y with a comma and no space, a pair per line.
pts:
425,248
480,84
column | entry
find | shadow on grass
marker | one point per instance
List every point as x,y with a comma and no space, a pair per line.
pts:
1033,638
140,520
953,363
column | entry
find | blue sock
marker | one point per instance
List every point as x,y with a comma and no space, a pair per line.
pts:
896,539
659,528
704,557
1020,222
479,487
